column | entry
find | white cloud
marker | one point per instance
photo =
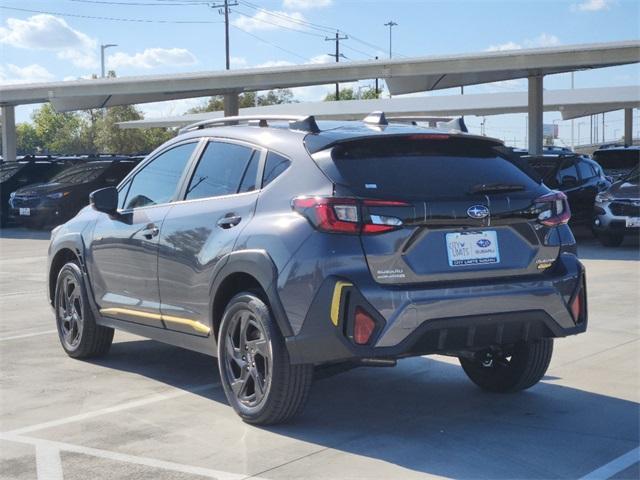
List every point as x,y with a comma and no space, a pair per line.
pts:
504,46
592,5
542,40
274,63
322,58
306,4
47,32
33,73
238,62
270,20
152,58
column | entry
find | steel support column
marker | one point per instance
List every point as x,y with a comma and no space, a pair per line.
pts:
231,104
8,133
535,115
628,126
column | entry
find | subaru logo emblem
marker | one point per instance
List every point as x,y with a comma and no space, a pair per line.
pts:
478,211
483,243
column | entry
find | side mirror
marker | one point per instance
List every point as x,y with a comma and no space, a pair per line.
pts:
569,181
105,200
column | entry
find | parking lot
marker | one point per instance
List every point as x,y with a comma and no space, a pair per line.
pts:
154,411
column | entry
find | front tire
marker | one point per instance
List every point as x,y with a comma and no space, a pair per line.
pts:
80,335
260,383
519,368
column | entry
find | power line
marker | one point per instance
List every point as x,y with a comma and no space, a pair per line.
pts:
279,25
337,55
148,4
114,19
316,26
269,43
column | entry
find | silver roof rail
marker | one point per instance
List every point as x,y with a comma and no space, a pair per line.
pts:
296,122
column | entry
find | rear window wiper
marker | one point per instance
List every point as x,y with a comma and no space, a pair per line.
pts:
496,188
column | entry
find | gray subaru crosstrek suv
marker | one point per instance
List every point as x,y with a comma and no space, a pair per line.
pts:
280,247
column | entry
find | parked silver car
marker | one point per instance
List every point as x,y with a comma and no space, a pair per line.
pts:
617,210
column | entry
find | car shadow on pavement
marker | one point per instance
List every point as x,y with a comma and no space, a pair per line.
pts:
24,233
425,415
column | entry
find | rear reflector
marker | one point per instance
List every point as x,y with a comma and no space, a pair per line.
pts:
363,327
577,306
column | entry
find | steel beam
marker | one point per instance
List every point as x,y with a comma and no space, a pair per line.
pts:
535,114
231,105
8,133
628,126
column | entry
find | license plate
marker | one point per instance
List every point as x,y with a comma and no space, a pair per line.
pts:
633,221
472,248
25,212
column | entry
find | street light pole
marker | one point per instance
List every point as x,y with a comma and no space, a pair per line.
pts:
390,24
102,49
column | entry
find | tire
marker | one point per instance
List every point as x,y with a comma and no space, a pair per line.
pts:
80,335
517,370
611,239
260,383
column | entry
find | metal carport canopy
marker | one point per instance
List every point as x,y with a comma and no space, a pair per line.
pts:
402,75
570,103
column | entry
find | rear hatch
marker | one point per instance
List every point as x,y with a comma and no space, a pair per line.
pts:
617,162
466,210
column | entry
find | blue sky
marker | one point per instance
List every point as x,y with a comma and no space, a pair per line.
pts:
51,46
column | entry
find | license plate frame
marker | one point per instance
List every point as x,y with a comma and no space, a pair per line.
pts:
24,212
466,249
632,222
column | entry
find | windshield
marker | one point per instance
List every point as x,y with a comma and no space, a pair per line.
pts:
9,170
81,173
617,159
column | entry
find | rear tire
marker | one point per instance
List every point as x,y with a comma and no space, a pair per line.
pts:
519,369
260,383
611,239
80,335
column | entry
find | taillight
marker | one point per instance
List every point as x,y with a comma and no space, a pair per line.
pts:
554,209
363,327
347,215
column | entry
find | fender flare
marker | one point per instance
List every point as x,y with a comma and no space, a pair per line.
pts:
260,266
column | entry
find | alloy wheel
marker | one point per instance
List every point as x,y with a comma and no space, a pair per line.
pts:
69,310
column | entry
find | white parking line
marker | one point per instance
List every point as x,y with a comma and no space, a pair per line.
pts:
116,408
52,446
48,464
619,464
27,335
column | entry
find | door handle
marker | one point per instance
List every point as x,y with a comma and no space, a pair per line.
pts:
229,221
150,231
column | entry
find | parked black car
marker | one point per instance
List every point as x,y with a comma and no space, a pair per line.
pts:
25,171
59,199
579,177
617,210
618,162
279,247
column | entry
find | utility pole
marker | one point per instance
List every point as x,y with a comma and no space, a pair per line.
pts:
390,24
231,100
102,49
572,137
224,10
337,55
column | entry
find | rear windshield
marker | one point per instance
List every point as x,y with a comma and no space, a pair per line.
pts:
403,167
8,170
617,159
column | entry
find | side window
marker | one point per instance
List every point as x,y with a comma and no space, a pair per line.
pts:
585,170
248,183
221,170
156,183
568,174
273,167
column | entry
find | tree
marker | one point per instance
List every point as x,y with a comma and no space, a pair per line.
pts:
28,141
247,100
58,132
348,94
110,138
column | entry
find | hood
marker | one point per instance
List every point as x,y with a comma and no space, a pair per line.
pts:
624,189
42,189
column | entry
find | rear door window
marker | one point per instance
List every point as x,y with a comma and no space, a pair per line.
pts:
407,168
585,170
221,170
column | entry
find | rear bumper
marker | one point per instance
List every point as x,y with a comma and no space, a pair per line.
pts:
443,318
